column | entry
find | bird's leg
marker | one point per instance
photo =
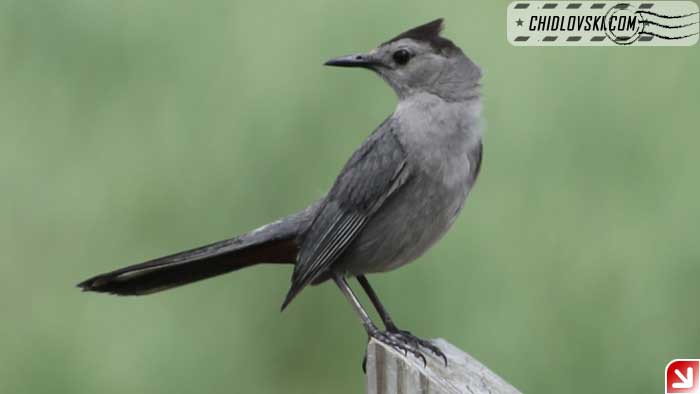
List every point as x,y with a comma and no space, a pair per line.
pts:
406,336
383,313
393,339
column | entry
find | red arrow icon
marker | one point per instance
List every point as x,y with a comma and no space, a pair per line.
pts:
682,376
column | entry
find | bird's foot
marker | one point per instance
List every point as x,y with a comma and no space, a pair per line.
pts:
417,342
405,342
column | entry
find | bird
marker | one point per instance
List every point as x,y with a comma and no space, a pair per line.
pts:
396,196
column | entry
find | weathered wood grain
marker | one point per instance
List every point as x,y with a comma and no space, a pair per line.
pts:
392,372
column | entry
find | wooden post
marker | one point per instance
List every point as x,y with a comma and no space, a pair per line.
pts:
392,372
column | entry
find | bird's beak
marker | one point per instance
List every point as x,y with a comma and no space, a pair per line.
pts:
363,60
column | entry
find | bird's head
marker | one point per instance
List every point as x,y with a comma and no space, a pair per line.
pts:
420,60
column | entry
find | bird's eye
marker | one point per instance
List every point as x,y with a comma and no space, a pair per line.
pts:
401,56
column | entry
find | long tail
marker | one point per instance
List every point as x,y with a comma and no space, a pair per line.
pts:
273,243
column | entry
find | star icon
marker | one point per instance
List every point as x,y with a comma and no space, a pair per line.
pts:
519,22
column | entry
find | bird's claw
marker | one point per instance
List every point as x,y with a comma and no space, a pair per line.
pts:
417,343
405,342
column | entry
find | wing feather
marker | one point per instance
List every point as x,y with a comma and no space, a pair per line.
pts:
342,236
374,172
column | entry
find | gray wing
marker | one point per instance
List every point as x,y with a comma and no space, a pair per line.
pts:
373,173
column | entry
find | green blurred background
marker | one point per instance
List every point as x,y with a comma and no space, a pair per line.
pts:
133,129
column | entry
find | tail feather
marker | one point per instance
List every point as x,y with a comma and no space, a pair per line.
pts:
190,266
274,243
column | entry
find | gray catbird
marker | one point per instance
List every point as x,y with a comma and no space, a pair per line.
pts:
395,197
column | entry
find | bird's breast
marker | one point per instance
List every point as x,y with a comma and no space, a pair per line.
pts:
441,141
440,138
